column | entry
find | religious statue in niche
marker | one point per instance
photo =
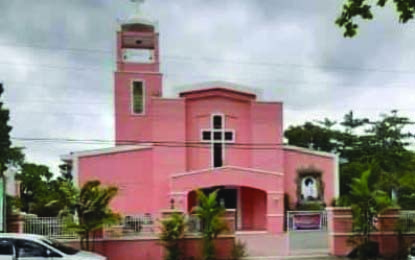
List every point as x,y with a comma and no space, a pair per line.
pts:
310,187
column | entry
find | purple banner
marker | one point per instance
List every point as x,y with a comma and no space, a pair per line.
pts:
307,221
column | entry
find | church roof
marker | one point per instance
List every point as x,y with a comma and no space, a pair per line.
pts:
219,88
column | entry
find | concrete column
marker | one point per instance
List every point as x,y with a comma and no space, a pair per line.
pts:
15,223
340,227
275,212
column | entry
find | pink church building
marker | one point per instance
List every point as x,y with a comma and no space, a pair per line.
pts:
217,135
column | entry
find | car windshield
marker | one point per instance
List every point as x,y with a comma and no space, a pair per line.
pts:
61,247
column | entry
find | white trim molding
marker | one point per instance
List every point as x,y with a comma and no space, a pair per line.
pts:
336,177
308,151
275,215
97,152
178,175
219,84
178,193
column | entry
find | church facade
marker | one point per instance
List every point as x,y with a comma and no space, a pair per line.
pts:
217,135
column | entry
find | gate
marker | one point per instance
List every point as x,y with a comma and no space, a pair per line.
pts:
307,232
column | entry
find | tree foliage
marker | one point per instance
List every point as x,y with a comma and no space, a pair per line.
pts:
353,9
91,207
381,145
210,213
367,202
37,189
8,155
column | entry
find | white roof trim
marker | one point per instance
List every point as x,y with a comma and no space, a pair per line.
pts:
117,149
178,175
309,151
224,84
138,20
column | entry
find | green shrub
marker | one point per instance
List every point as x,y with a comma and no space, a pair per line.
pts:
172,231
311,206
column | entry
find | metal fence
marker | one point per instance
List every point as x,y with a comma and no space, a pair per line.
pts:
134,225
407,221
194,225
48,226
306,220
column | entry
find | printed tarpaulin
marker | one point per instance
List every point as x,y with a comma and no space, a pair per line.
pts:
307,221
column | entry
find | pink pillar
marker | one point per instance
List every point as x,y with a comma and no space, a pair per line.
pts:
275,212
15,223
340,226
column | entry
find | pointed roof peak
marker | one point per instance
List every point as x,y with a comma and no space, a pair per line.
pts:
218,88
219,85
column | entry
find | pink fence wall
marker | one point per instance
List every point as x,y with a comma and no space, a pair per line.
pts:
150,248
340,227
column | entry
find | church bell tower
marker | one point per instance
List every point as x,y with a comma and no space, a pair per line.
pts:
137,79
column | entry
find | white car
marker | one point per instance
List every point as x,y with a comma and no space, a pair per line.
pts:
411,255
15,246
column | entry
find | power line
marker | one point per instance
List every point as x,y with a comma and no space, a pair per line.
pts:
43,85
218,60
172,144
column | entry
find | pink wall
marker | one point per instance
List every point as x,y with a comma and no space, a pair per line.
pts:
168,125
198,113
340,230
130,127
226,176
131,172
150,248
296,159
266,122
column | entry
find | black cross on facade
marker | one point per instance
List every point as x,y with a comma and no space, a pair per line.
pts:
218,136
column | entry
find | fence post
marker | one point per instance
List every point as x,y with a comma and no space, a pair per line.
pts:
15,223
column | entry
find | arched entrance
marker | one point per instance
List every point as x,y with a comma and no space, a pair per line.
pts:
258,195
248,206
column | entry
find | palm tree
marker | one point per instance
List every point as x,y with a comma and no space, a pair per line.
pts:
367,203
210,213
91,206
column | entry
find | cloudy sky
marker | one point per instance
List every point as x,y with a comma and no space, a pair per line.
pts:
57,61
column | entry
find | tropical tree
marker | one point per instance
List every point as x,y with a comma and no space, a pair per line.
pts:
381,144
91,208
210,213
363,9
8,155
367,203
310,135
36,189
172,231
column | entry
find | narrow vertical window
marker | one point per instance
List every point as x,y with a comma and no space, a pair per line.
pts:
138,97
217,122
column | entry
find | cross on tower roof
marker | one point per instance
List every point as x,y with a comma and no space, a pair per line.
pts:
137,6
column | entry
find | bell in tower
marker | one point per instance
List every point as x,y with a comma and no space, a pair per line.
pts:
138,41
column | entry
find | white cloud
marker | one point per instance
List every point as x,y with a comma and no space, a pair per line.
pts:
290,49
